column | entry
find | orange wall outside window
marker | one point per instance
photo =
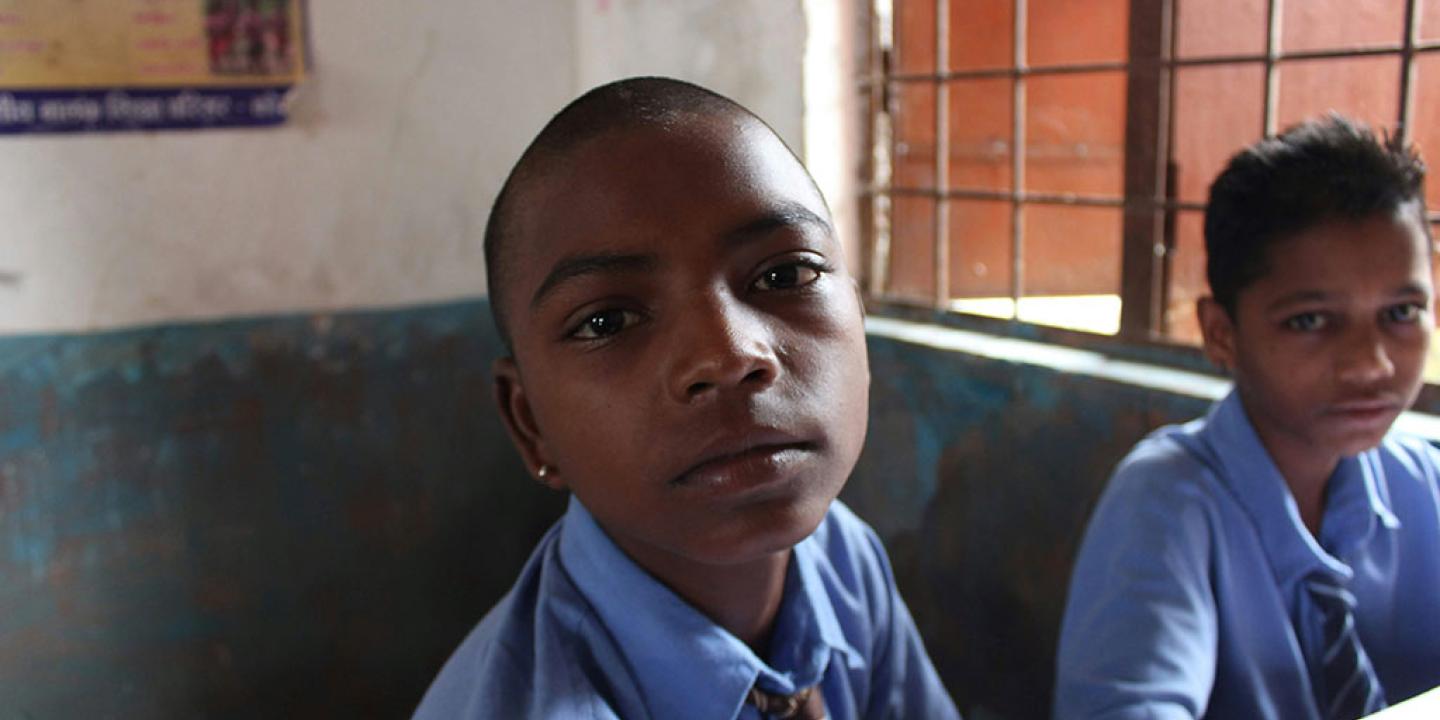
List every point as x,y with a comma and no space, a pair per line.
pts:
1075,127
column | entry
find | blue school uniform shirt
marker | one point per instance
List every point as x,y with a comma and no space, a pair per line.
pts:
1188,598
586,633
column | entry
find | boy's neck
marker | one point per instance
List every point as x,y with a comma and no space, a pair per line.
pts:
743,598
1305,468
1308,481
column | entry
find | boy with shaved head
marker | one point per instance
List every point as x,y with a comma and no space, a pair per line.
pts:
687,359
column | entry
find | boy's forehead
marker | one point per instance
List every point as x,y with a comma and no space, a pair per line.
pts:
625,164
1386,247
638,185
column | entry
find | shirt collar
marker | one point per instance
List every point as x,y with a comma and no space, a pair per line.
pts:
1353,508
685,664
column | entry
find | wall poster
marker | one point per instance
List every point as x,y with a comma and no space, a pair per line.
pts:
97,65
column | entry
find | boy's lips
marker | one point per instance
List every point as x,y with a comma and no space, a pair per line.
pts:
743,460
1365,411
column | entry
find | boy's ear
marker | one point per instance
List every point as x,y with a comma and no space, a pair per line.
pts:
514,407
1218,329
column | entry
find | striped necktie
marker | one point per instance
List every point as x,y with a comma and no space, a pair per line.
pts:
1348,687
807,704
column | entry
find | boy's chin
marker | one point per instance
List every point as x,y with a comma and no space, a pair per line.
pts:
1361,446
775,530
1353,443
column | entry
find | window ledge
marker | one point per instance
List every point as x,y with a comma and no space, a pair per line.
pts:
1088,363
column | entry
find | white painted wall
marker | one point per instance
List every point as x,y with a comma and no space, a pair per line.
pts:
749,50
795,63
374,194
835,107
377,192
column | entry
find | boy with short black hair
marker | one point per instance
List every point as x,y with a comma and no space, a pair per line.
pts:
688,360
1280,557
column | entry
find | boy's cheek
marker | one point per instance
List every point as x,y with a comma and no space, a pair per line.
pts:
847,312
830,322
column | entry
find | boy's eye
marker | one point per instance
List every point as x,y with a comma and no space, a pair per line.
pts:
787,276
604,324
1404,313
1306,322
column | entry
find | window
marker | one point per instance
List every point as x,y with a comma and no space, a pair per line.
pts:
1047,161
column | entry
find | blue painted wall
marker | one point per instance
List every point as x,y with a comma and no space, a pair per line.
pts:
285,517
980,476
304,515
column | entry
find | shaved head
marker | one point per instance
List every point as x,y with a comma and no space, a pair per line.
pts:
651,102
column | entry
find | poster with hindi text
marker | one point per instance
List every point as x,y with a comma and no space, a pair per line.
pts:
98,65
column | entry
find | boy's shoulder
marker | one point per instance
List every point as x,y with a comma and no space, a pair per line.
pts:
1174,487
847,546
525,656
1411,466
851,571
843,529
1411,453
1173,463
1188,464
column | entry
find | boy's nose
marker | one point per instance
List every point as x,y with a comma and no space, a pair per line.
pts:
1366,359
720,344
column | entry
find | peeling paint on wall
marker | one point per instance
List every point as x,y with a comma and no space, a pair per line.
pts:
980,476
278,517
304,515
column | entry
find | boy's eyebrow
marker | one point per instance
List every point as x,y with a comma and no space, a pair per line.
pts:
579,265
1309,296
1413,288
1301,296
788,214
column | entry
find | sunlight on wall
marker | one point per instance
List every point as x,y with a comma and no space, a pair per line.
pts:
1088,313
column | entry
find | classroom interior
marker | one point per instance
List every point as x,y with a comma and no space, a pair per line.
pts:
249,463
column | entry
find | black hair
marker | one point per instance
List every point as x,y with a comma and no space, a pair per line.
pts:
634,102
1320,170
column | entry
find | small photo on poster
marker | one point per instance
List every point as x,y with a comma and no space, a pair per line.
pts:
249,37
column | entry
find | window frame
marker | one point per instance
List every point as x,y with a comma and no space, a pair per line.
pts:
1148,204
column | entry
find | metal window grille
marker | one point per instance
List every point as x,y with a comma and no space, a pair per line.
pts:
1148,207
